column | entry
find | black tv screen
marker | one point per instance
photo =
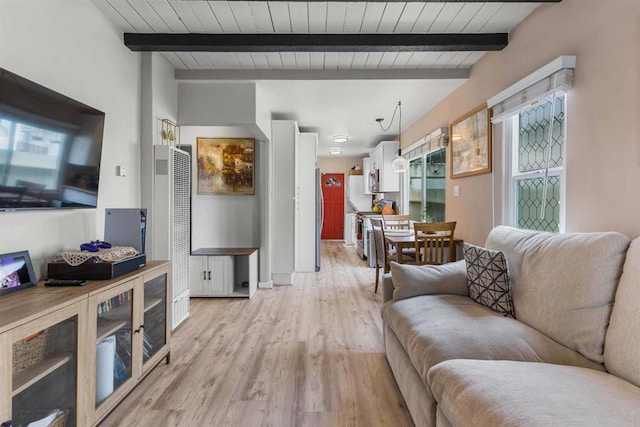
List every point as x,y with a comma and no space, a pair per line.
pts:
50,147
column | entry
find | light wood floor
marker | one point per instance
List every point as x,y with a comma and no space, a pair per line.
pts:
305,355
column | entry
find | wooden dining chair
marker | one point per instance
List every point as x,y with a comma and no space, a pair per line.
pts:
380,247
431,240
383,253
397,221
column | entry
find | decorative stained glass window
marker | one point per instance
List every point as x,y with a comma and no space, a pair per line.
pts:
534,137
529,196
532,152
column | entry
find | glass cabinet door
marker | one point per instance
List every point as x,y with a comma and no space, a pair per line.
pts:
113,344
155,316
44,375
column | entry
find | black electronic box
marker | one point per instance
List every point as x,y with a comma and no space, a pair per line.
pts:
96,270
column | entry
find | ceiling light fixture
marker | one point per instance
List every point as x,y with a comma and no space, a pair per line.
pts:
399,164
335,150
340,138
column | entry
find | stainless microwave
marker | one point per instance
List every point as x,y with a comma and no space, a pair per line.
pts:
374,181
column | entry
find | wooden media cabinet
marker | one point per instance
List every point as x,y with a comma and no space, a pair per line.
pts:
73,353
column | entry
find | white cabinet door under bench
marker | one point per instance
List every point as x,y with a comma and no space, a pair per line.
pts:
224,272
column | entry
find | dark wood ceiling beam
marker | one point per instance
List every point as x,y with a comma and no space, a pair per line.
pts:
168,42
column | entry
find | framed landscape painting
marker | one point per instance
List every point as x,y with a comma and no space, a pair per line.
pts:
471,143
225,165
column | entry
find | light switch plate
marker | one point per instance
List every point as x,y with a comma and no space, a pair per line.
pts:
456,190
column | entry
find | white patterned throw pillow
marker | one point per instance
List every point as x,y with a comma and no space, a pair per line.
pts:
488,279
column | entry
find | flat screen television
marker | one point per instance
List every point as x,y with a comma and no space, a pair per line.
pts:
50,147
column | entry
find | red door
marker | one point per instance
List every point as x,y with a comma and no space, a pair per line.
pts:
333,199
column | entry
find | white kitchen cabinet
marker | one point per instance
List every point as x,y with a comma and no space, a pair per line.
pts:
210,276
224,272
366,170
292,201
376,158
384,154
305,203
284,139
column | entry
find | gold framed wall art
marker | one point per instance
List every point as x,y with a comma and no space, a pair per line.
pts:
225,166
470,145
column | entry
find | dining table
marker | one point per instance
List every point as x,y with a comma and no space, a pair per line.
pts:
406,239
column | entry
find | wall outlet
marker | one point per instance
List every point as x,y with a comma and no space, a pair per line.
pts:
121,171
456,190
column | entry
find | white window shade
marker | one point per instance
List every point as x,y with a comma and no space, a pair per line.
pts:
553,77
431,142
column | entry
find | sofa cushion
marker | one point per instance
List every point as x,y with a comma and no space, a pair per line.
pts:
506,393
434,328
488,279
414,280
564,284
622,345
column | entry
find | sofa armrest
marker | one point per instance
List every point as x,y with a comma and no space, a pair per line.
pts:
413,280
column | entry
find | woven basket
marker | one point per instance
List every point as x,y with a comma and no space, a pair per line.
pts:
28,352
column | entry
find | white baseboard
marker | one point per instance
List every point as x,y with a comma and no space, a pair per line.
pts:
266,285
283,278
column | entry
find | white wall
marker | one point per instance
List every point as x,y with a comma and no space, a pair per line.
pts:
68,46
223,220
263,111
165,92
222,104
159,101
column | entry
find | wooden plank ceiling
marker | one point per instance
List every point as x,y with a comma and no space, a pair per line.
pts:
318,17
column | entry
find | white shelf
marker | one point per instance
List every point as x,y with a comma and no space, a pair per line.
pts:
239,291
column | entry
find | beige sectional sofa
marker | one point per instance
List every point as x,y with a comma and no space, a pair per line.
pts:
570,357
